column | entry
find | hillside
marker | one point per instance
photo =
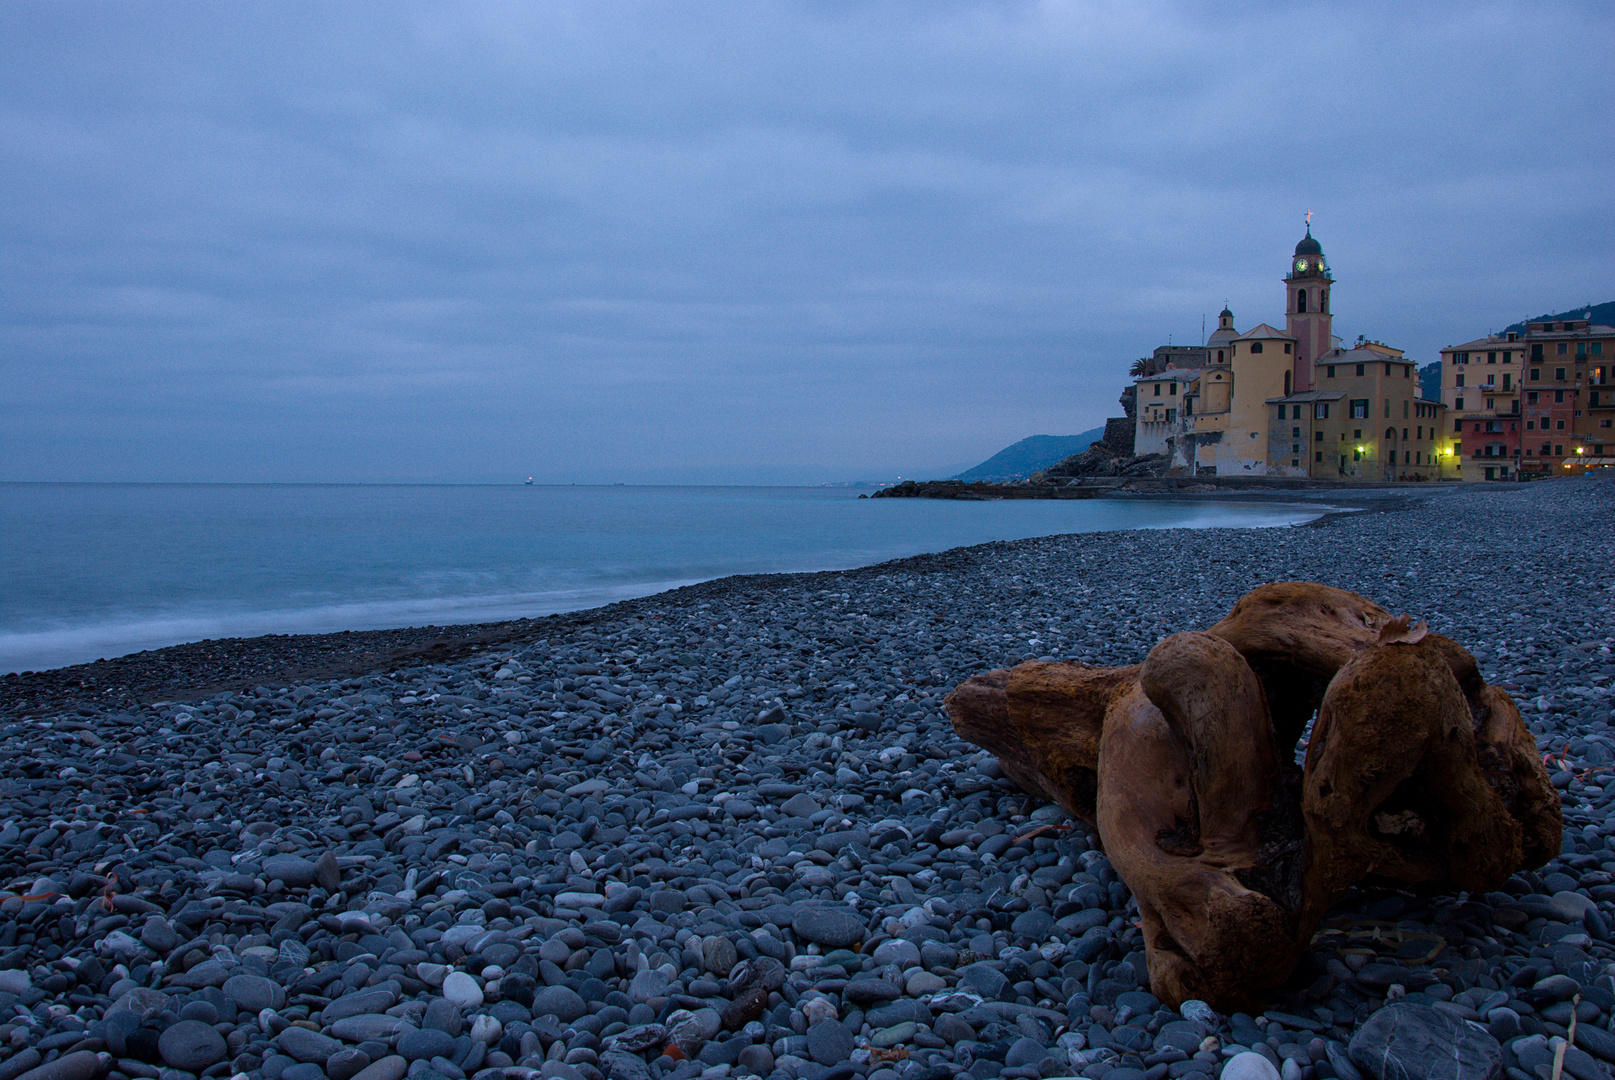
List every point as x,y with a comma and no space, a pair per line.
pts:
1031,454
1600,314
1430,381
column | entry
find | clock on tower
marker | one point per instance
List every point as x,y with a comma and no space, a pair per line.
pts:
1307,316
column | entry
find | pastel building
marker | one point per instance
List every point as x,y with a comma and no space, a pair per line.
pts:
1293,402
1534,401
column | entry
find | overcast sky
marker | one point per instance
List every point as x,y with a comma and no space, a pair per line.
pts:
739,243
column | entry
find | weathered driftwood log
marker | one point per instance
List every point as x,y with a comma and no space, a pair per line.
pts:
1417,774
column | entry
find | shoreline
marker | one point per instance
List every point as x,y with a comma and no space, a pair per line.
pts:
213,665
738,807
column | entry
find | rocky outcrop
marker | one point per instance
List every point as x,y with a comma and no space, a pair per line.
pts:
1103,459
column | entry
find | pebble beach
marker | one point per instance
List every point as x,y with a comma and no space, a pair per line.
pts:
728,831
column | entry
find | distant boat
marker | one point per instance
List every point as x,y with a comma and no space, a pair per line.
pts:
529,481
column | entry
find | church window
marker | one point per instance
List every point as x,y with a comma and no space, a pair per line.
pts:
1219,356
1256,346
1286,348
1300,300
1286,387
1323,299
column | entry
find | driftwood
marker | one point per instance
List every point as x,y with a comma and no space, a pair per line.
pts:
1417,775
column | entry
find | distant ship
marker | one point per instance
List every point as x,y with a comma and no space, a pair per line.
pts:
529,481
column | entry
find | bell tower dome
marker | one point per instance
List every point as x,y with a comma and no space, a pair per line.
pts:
1307,315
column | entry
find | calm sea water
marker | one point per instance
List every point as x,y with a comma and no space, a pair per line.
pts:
95,570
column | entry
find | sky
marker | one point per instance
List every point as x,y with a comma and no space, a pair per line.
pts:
739,243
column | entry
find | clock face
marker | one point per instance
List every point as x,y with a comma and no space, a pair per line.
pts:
1301,266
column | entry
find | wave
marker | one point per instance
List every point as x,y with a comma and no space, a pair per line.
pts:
57,646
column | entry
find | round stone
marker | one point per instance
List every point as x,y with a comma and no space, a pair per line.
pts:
191,1045
829,1042
461,989
254,993
1249,1066
831,927
346,1064
1026,1051
756,1060
294,871
563,1001
424,1044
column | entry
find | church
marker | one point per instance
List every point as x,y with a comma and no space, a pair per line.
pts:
1293,402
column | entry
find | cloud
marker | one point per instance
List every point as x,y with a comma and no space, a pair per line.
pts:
634,241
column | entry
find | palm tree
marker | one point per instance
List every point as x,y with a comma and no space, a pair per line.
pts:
1140,368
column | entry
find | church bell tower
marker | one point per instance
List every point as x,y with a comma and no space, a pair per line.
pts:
1307,317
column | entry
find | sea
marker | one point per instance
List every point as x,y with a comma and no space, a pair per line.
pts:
100,570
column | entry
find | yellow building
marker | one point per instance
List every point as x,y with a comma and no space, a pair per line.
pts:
1295,403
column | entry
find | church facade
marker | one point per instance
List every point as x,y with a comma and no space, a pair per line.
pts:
1295,402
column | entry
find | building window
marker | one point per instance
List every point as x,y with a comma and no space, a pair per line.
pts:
1458,403
1491,358
1508,357
1561,350
1359,408
1317,436
1295,412
1462,358
1536,352
1460,378
1359,369
1172,388
1598,348
1256,346
1536,374
1287,346
1300,300
1320,411
1357,433
1323,299
1559,397
1558,450
1157,389
1329,371
1558,374
1318,456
